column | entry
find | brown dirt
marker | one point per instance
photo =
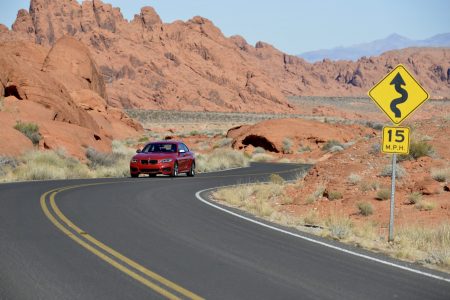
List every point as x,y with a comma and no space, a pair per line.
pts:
366,161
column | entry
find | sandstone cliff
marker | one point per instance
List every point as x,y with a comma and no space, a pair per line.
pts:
193,66
63,93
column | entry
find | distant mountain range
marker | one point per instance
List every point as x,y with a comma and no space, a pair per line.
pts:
392,42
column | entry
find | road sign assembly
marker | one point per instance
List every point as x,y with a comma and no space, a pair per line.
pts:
398,95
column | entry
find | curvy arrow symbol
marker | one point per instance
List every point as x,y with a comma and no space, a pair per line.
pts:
398,82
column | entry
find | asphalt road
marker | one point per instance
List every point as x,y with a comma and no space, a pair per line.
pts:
151,238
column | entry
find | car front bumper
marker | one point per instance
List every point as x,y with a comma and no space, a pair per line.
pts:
158,168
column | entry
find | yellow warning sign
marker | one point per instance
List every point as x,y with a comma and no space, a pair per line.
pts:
395,140
398,94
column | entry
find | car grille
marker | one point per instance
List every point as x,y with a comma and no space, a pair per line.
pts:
151,161
149,170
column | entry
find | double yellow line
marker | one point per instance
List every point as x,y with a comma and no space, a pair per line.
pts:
156,282
131,268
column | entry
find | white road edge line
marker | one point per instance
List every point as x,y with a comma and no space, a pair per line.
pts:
197,195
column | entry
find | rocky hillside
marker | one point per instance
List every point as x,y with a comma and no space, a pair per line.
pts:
192,66
60,90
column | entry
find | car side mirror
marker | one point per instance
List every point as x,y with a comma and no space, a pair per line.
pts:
138,151
181,151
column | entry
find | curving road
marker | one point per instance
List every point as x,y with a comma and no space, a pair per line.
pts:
151,238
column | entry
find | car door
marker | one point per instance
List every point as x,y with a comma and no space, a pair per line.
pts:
181,158
189,158
184,158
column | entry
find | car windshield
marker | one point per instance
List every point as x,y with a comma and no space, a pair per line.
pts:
160,147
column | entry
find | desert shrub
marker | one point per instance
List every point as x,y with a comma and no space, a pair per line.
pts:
6,164
225,142
336,148
387,171
311,218
383,194
30,130
365,186
143,139
434,242
44,165
330,144
334,195
315,195
425,205
304,149
259,150
374,125
353,178
221,159
287,146
375,148
417,149
262,157
348,144
365,208
414,198
276,179
340,227
100,159
236,196
441,175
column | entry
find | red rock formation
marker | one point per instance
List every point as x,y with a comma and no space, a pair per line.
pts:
193,66
271,134
62,91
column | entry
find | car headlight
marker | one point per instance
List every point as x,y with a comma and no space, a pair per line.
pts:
166,160
134,160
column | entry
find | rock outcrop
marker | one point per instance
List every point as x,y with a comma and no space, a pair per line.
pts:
279,134
192,66
62,92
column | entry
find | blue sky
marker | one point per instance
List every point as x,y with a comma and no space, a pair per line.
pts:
295,26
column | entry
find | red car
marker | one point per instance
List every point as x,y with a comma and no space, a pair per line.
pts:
163,157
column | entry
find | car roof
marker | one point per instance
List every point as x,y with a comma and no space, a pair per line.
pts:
166,142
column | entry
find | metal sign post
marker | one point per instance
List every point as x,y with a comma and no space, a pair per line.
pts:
398,82
391,217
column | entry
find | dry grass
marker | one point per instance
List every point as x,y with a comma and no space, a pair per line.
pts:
315,195
414,198
441,175
221,159
338,227
353,178
262,157
400,172
47,165
383,194
365,208
258,199
425,205
412,243
431,245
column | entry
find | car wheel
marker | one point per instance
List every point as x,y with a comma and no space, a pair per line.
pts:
191,172
134,175
175,169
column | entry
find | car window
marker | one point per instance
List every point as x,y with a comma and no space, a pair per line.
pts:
184,147
160,147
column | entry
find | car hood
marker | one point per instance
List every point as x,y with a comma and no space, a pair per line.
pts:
154,155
